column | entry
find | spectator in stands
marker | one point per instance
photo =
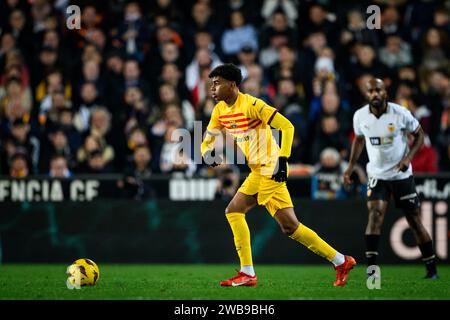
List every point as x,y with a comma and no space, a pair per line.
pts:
437,97
227,181
95,163
91,74
100,123
246,57
273,36
137,110
202,19
19,167
65,121
114,81
435,50
58,144
171,74
48,61
133,33
15,99
367,63
19,27
134,137
132,77
89,100
168,95
426,159
319,20
7,44
173,157
135,184
59,168
205,109
396,53
289,103
24,139
253,87
288,7
286,66
443,141
356,31
91,148
326,182
392,24
195,74
330,104
170,53
329,134
441,19
204,40
239,34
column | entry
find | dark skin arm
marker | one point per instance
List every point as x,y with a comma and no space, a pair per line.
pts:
419,136
357,147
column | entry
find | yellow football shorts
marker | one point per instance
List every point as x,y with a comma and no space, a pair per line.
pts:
271,194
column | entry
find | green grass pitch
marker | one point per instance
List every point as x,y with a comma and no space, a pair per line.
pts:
171,282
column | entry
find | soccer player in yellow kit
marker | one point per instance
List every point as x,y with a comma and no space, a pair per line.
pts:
248,120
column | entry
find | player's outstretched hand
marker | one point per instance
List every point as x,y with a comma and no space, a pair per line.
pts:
280,172
403,165
210,158
347,176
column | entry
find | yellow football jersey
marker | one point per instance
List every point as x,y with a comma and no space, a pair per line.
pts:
247,121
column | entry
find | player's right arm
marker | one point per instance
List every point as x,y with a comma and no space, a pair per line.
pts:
212,131
357,147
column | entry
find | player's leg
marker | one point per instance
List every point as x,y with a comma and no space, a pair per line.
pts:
297,231
378,195
281,208
423,240
235,214
407,199
377,210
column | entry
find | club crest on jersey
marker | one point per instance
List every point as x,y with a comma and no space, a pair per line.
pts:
233,124
391,127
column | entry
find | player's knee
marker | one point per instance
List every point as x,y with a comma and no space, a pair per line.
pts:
228,209
288,228
375,216
231,208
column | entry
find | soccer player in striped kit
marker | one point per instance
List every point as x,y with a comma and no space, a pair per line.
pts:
249,120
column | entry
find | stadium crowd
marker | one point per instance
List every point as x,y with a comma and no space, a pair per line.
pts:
105,98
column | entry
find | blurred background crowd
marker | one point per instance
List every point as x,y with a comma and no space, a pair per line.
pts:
105,98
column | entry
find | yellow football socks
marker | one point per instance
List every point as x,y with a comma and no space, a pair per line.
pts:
241,235
313,242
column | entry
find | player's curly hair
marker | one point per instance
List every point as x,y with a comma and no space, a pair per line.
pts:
227,71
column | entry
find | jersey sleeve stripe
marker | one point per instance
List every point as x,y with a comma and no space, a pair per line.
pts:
257,123
271,117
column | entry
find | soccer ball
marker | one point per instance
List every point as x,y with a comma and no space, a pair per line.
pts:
82,272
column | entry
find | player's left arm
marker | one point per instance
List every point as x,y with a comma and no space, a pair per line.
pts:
207,146
415,129
273,118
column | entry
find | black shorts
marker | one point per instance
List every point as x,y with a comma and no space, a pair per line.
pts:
402,191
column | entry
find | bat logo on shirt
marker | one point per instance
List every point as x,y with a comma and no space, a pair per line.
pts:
391,127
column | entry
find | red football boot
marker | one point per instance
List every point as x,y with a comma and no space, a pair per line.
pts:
343,270
241,279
